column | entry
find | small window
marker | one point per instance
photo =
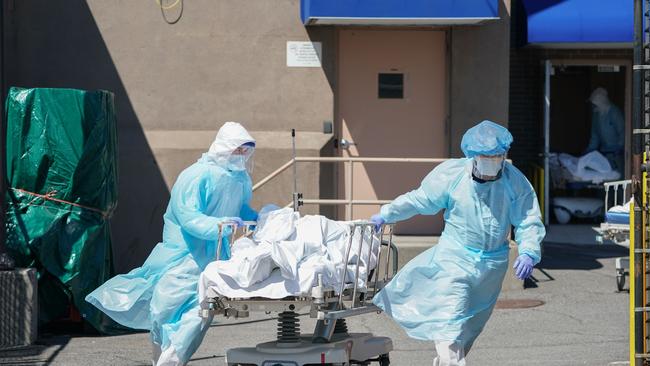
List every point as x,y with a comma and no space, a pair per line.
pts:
391,86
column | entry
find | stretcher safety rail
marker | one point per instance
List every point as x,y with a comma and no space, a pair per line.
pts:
616,226
323,302
617,232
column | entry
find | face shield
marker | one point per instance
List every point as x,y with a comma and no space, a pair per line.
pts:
488,167
242,158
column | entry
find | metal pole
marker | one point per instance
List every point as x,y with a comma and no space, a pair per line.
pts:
219,241
362,230
345,267
296,196
547,136
348,206
637,150
293,150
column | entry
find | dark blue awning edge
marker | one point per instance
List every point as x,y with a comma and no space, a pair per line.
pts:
578,23
397,13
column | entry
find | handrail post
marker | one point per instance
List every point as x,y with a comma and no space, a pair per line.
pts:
351,189
348,205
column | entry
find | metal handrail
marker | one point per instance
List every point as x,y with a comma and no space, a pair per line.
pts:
348,201
274,174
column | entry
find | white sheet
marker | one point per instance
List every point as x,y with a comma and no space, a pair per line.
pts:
249,265
299,250
624,209
592,167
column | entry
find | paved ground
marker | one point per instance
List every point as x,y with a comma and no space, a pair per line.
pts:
583,322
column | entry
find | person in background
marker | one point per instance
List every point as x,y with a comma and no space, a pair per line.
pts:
607,130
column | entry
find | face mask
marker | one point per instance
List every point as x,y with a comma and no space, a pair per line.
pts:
488,168
237,162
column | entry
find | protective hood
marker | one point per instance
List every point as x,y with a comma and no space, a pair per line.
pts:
600,99
230,136
486,138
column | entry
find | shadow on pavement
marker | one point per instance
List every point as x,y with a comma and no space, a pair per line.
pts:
42,353
581,257
572,256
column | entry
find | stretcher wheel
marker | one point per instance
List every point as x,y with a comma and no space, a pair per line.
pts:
384,360
620,280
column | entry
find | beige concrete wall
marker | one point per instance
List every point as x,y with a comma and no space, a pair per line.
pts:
223,60
480,70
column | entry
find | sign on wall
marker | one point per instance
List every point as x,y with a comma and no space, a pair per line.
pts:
304,54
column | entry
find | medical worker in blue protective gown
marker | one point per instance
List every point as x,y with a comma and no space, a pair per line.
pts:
447,293
161,296
607,129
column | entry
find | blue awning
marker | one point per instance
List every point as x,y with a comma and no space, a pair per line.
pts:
600,22
397,12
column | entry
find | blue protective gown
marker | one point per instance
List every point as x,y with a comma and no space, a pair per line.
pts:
161,296
447,293
608,135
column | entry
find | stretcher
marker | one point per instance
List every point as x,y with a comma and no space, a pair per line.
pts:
331,343
616,226
571,177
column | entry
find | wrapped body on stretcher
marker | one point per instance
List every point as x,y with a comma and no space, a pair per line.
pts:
592,168
574,173
286,255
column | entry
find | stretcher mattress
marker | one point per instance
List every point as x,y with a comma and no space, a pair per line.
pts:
617,218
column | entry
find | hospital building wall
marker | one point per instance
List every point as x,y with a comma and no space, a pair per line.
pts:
223,60
175,85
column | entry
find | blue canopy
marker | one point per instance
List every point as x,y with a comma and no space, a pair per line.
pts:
397,12
597,22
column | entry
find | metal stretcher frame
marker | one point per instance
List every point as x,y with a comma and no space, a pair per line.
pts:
323,302
618,233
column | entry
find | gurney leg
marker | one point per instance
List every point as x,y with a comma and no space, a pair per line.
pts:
622,267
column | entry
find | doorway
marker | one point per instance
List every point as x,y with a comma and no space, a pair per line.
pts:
568,112
391,102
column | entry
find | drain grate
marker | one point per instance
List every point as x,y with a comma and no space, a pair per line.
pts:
518,303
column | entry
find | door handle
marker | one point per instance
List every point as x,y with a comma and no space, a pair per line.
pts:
345,144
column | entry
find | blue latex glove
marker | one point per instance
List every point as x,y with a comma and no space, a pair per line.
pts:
378,221
523,266
233,220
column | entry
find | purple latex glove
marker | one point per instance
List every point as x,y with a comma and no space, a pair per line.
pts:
378,221
523,266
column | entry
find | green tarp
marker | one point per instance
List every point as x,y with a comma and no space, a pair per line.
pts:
62,190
